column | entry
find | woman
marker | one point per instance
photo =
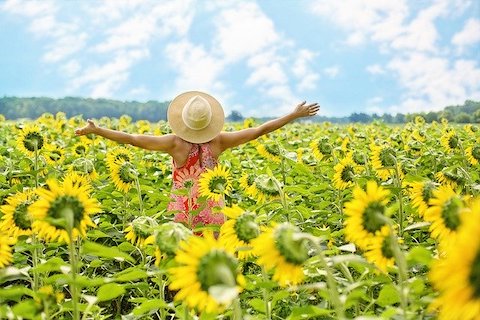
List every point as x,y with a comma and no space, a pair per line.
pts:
196,120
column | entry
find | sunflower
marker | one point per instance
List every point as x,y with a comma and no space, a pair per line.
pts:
240,230
60,206
421,193
206,275
383,161
457,275
54,154
80,148
446,208
270,151
321,148
118,156
123,175
279,248
343,177
6,256
449,141
248,123
80,180
16,220
448,178
473,154
30,139
419,135
215,183
470,129
419,120
167,239
365,214
140,231
267,188
380,252
247,183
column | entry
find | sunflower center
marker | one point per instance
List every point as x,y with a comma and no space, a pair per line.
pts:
387,251
358,158
273,150
245,227
55,155
427,191
453,142
122,156
324,147
450,213
126,173
32,141
347,173
475,275
20,216
217,184
80,150
476,152
216,268
293,250
372,221
387,157
62,203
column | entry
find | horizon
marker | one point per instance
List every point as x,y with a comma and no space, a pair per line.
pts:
260,58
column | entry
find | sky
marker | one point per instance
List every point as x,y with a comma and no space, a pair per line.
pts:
260,58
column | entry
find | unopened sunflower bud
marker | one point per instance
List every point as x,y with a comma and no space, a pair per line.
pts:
169,235
292,247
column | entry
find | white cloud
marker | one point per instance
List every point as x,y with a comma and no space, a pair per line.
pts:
105,79
197,69
375,69
469,35
302,70
332,71
433,83
243,30
71,68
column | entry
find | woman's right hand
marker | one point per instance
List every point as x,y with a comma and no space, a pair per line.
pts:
89,128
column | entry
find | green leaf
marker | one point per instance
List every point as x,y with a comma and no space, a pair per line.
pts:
149,306
131,274
388,295
110,291
419,255
279,295
53,264
26,309
258,305
99,250
307,312
417,225
15,293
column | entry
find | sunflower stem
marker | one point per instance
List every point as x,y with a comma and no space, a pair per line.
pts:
69,216
161,287
398,181
139,192
402,271
332,285
266,296
36,280
237,310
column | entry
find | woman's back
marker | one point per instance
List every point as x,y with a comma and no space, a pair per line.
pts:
186,177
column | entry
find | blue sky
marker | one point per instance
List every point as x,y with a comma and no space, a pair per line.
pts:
258,57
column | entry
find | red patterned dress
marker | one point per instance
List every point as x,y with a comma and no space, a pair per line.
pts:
186,177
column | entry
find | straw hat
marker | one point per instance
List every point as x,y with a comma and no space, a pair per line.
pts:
195,116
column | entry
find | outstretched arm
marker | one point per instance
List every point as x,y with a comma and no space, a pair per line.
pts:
164,143
233,139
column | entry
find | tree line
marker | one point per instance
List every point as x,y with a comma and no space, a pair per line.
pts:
16,108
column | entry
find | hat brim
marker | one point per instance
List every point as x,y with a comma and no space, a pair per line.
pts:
175,120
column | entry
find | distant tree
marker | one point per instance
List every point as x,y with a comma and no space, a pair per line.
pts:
399,118
387,118
463,118
360,117
235,116
431,116
476,116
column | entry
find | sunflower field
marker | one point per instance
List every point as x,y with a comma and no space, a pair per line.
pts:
322,222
